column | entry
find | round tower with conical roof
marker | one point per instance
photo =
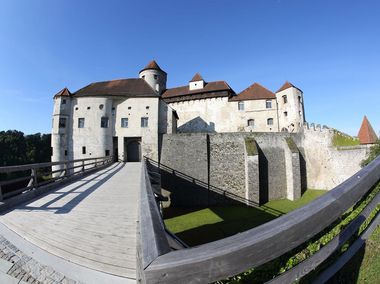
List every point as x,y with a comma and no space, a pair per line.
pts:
154,76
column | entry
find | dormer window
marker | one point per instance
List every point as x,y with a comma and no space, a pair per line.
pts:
196,83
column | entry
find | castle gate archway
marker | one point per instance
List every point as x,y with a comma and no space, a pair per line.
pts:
132,149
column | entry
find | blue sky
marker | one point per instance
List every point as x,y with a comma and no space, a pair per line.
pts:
329,49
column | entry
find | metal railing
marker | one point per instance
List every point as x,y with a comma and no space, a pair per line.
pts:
32,176
233,255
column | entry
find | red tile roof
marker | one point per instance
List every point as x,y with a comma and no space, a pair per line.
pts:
215,87
287,85
366,133
254,92
63,93
152,65
135,87
197,77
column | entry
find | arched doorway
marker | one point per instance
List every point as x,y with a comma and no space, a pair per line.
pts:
133,149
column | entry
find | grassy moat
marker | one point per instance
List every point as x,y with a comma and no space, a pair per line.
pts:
201,225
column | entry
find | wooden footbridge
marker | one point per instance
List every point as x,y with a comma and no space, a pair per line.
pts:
97,221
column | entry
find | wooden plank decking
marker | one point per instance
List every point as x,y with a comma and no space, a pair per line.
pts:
91,222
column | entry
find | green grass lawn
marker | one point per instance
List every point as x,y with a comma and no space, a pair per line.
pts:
340,140
201,225
364,267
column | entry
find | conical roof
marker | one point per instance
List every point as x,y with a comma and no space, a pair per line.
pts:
287,85
366,133
197,77
63,93
152,65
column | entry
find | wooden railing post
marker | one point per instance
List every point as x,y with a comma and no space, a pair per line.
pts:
34,178
65,167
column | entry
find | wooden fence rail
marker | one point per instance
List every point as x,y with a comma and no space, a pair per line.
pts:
232,255
53,171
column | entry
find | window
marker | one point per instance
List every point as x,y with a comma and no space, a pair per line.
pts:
81,122
147,107
124,122
129,107
155,77
285,113
65,152
62,122
88,107
251,122
285,99
143,76
101,106
268,103
241,106
51,150
270,121
63,102
83,150
107,152
144,122
104,122
76,108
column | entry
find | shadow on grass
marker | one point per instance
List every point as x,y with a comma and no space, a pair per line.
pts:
235,219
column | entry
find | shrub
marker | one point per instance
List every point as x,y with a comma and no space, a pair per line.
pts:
373,153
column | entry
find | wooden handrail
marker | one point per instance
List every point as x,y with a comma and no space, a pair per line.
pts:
18,168
63,173
232,255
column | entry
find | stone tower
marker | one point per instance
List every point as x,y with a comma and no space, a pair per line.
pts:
154,76
291,114
61,128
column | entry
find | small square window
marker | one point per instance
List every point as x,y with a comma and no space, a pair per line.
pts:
129,107
285,113
270,121
144,122
251,122
268,103
65,152
83,150
81,122
147,107
107,152
155,77
63,102
62,122
88,107
101,106
124,122
76,108
143,76
104,122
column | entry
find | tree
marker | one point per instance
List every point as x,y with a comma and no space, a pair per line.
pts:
12,148
373,153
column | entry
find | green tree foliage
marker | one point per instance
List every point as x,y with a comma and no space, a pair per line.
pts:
18,149
12,148
373,153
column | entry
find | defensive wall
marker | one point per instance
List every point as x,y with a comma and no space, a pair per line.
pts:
208,168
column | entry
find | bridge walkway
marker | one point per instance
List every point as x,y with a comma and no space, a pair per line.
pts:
91,222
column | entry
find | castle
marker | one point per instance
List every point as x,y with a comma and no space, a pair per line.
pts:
127,118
